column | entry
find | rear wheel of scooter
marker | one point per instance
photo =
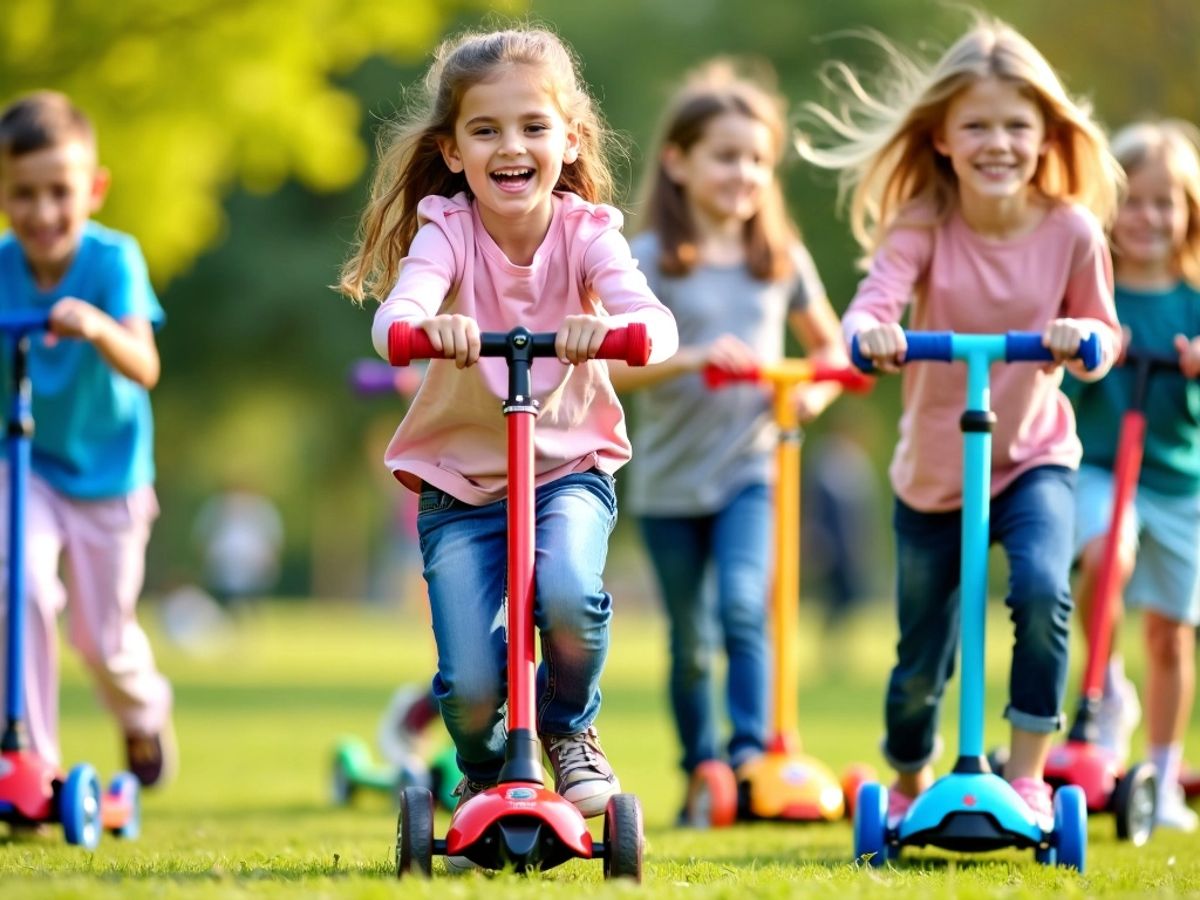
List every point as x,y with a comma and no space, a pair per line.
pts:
350,757
79,807
414,833
712,799
1070,827
125,788
1134,803
853,778
870,824
623,838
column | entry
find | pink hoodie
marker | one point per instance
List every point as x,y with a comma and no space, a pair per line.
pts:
454,435
961,281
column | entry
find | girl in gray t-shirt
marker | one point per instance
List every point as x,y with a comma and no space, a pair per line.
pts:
721,253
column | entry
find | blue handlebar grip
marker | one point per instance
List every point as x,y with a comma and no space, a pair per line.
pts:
937,345
1026,346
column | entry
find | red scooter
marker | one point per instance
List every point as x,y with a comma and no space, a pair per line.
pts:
519,823
32,790
1130,795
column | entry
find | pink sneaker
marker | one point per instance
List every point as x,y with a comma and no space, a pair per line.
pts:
898,806
1039,797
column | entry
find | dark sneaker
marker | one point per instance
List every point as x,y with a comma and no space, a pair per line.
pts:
582,774
152,758
465,790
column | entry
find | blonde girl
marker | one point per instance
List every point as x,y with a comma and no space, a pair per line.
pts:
978,188
722,253
1156,248
487,212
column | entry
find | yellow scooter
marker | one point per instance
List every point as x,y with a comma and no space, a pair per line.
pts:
783,783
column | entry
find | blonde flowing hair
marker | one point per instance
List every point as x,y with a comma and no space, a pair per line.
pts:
883,145
717,88
1177,145
411,165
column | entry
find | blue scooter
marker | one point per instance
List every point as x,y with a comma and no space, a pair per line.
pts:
32,790
971,809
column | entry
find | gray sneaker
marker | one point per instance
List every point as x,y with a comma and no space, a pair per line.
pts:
465,790
582,774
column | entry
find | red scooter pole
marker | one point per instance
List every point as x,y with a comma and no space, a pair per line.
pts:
519,822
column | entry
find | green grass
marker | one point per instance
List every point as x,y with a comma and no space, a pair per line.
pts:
257,717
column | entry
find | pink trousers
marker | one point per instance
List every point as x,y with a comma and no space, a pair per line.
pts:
89,558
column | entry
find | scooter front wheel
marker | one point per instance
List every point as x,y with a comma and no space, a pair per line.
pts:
1135,801
623,840
870,824
79,807
712,800
414,833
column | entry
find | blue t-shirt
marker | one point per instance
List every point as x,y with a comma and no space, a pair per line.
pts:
93,429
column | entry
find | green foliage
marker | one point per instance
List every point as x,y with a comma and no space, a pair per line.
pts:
189,95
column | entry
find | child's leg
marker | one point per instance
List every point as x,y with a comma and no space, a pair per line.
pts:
1170,682
679,550
741,548
1032,519
105,549
575,516
927,560
463,548
45,598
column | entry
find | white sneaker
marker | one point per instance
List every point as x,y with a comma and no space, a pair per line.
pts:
1173,811
1116,719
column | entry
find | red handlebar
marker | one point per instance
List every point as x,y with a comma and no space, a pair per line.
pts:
630,343
793,371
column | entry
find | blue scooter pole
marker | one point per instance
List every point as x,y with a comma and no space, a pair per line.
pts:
16,328
979,351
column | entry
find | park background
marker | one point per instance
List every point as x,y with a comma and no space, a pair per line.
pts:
239,134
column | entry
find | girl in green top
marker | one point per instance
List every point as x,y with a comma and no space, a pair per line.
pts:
1156,251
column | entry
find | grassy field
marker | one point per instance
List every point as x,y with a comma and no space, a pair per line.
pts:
258,713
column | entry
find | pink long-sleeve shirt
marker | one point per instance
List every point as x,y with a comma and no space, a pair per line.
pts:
454,435
958,280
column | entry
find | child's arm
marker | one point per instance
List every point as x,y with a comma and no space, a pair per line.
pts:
126,345
612,274
875,312
727,352
817,329
426,276
1087,306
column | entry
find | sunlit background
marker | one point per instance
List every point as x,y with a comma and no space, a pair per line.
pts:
239,135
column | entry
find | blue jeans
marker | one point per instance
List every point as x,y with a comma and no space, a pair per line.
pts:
1033,519
465,555
735,541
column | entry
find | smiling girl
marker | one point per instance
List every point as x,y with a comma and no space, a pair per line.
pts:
487,212
978,190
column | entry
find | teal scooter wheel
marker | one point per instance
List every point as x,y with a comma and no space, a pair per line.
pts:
445,777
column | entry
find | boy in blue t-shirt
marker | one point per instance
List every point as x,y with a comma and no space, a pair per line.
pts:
91,497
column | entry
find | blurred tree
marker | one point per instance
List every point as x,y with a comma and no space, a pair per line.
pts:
191,94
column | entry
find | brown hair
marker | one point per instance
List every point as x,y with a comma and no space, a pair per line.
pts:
719,87
411,165
1177,144
40,120
887,158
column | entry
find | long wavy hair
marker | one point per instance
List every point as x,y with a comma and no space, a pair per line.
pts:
1177,145
717,88
883,145
411,165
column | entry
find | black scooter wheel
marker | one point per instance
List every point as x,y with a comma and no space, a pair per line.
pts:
623,838
1134,802
414,833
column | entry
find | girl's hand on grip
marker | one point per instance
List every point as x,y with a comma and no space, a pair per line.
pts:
1189,355
579,338
884,345
455,337
1062,338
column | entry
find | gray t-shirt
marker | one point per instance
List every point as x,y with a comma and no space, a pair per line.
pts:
694,448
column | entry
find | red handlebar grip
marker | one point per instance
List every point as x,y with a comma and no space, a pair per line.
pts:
716,377
631,344
847,376
406,343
